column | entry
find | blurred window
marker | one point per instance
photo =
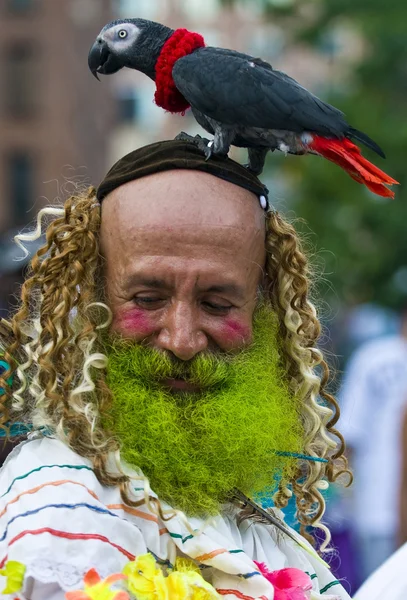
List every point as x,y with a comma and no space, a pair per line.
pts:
135,106
128,106
21,6
20,172
21,84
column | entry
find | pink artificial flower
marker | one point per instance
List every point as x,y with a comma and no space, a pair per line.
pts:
289,584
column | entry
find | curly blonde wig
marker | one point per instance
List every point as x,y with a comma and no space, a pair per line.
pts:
56,351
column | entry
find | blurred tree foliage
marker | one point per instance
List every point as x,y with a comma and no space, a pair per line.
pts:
363,238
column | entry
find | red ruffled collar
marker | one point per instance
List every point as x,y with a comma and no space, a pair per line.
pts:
181,43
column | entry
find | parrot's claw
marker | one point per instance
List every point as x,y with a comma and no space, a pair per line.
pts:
205,146
208,150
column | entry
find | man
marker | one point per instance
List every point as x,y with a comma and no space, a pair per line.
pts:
164,355
373,400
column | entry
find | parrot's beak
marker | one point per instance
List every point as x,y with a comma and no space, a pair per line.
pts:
101,60
97,56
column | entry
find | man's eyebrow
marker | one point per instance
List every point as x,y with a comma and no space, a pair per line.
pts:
155,282
152,282
228,288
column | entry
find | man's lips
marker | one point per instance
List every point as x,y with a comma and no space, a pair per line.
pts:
180,385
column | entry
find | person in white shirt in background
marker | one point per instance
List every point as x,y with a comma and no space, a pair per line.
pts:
372,400
390,580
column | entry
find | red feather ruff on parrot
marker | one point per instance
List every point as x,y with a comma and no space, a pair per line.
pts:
348,156
181,43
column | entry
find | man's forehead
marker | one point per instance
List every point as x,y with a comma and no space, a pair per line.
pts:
181,198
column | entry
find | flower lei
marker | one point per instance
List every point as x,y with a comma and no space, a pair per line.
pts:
142,579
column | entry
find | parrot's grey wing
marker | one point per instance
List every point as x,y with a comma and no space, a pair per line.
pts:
226,52
237,89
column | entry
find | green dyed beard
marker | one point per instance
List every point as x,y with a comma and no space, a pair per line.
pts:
195,448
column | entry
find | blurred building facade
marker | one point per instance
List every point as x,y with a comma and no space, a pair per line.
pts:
50,131
46,122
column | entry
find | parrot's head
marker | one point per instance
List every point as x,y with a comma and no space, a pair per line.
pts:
133,43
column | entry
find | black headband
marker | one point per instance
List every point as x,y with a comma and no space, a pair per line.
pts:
179,154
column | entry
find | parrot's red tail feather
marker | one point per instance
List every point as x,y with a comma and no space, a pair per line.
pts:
348,156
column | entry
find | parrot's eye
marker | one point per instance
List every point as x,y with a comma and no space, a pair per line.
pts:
122,34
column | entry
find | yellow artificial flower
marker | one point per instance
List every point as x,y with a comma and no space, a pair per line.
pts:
175,587
147,582
98,589
144,578
197,587
14,571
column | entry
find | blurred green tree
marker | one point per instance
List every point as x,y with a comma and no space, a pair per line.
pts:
361,237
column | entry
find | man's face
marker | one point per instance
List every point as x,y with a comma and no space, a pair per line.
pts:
184,257
196,406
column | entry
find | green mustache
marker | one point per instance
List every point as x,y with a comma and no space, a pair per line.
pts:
152,366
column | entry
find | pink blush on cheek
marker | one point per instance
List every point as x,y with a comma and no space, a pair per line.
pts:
134,321
235,332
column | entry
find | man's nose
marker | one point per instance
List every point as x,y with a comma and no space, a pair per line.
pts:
181,334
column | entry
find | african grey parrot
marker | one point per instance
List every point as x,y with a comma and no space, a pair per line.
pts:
239,99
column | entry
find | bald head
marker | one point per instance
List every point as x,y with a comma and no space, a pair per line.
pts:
186,198
184,257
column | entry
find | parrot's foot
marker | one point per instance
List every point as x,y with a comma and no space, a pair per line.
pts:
203,144
185,137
